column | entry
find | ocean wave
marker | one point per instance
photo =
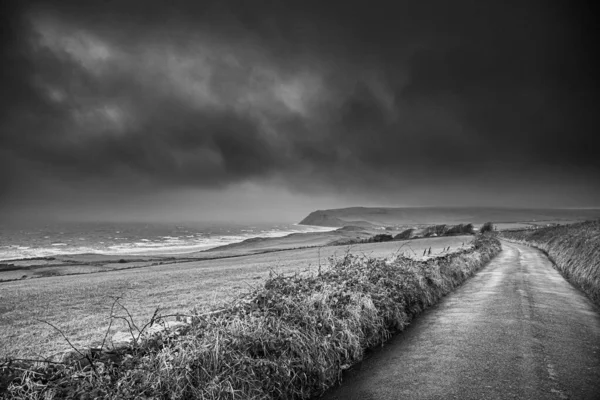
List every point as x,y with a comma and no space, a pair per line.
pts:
160,245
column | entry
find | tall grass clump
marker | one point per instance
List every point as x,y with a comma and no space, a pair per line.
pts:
575,250
289,339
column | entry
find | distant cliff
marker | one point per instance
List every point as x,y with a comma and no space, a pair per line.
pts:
322,218
327,218
410,216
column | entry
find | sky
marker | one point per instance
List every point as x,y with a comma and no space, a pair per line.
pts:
267,110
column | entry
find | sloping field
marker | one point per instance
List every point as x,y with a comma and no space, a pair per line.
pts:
575,250
290,338
80,304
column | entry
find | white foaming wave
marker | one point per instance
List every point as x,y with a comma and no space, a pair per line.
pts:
20,252
200,244
168,245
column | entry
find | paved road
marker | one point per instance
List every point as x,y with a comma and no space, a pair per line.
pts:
517,330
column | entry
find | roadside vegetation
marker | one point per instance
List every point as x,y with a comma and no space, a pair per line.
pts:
575,250
430,231
487,227
449,230
288,339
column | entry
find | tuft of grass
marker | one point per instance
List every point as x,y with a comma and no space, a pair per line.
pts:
289,339
574,249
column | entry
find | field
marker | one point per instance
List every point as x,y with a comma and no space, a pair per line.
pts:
80,304
290,337
86,263
503,226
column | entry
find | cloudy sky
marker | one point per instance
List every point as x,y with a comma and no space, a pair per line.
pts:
155,109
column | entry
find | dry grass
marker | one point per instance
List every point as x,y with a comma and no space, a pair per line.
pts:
290,338
80,304
502,226
575,250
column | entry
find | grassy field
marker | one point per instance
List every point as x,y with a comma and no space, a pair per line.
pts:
80,304
501,226
73,264
92,263
290,337
575,249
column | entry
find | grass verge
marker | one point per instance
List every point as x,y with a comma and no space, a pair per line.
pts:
574,249
289,339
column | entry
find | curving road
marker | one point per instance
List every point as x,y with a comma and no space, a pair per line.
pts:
516,330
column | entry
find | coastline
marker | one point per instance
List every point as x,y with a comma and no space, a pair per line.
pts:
86,263
175,285
166,246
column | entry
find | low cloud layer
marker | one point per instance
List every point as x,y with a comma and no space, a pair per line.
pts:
138,97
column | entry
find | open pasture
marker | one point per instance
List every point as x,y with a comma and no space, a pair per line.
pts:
80,304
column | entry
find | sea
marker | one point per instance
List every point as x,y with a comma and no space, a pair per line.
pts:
132,238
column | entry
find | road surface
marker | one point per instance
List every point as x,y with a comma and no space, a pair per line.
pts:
516,330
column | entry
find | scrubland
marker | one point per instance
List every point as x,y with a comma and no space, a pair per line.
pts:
575,250
288,338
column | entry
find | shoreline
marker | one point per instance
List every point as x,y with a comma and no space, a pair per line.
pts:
89,263
170,250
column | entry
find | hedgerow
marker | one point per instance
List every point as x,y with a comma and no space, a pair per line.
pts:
575,250
289,339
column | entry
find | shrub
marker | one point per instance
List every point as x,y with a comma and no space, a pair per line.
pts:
460,229
487,227
406,234
383,238
438,230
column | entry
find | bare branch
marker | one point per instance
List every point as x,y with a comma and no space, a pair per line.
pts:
112,308
130,328
154,318
129,315
63,335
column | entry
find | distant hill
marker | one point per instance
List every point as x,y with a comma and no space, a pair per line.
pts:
384,216
334,218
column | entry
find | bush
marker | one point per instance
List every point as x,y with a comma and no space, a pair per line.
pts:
383,238
460,229
404,234
487,227
438,230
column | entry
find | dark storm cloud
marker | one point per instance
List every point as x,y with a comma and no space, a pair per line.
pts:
313,94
